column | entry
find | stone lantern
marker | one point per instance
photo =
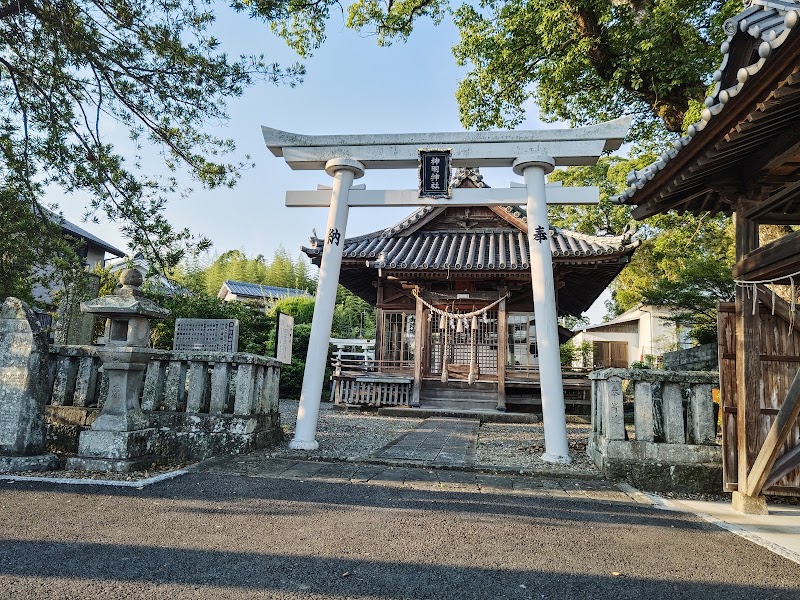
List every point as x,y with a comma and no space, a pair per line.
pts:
121,439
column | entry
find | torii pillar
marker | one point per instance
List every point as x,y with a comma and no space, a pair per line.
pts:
531,154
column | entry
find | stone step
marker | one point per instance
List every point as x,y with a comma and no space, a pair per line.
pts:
485,416
458,404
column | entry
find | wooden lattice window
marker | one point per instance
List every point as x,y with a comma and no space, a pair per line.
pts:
523,353
398,336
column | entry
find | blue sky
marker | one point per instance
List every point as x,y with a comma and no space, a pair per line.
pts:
351,86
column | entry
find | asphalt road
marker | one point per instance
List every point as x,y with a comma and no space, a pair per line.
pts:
208,535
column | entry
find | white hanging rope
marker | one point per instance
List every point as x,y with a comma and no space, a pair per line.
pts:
452,316
753,284
464,321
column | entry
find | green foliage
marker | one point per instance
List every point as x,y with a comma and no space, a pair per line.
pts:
685,263
568,352
585,61
292,374
572,353
301,308
352,317
254,326
281,271
71,71
33,251
606,217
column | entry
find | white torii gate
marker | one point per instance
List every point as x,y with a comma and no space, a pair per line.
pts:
531,154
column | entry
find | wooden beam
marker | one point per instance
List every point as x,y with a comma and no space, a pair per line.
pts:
780,256
748,364
782,308
419,347
742,106
783,466
775,201
785,420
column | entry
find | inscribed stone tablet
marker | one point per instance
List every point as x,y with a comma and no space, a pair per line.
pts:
23,380
210,335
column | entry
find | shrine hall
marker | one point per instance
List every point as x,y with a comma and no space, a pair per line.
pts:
455,325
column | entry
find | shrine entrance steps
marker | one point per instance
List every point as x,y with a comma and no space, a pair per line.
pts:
458,395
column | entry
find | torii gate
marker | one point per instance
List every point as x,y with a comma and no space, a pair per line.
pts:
531,154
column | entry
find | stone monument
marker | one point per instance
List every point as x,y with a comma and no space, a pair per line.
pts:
23,390
121,438
74,327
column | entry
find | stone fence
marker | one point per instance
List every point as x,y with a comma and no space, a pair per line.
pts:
204,403
672,442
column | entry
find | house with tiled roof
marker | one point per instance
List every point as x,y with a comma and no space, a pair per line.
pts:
264,295
471,261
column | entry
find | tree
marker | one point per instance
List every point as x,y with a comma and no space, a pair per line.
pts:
684,261
281,271
70,70
582,61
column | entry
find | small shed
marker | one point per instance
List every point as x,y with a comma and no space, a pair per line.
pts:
642,334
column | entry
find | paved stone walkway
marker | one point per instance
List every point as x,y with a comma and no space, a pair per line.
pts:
414,477
437,442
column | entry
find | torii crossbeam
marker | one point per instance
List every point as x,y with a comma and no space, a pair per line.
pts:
531,154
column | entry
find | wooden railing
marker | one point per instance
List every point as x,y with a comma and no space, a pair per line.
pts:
371,382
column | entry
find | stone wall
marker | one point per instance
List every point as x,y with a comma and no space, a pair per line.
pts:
699,358
670,443
202,403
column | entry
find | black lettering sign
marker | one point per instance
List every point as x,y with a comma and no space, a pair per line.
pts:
434,173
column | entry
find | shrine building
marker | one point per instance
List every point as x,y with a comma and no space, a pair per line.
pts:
455,325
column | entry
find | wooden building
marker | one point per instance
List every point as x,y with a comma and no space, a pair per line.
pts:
452,288
743,158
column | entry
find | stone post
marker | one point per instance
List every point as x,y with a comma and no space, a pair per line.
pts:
702,428
672,413
613,409
23,390
643,412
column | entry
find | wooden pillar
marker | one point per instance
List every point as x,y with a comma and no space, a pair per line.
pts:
748,371
379,323
502,351
419,349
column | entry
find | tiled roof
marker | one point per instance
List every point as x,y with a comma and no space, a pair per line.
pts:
483,249
767,20
257,290
70,227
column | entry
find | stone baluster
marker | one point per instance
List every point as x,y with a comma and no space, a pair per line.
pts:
702,428
613,411
245,389
198,385
643,412
220,379
672,413
154,385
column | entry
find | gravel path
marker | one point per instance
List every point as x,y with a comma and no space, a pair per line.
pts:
356,435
